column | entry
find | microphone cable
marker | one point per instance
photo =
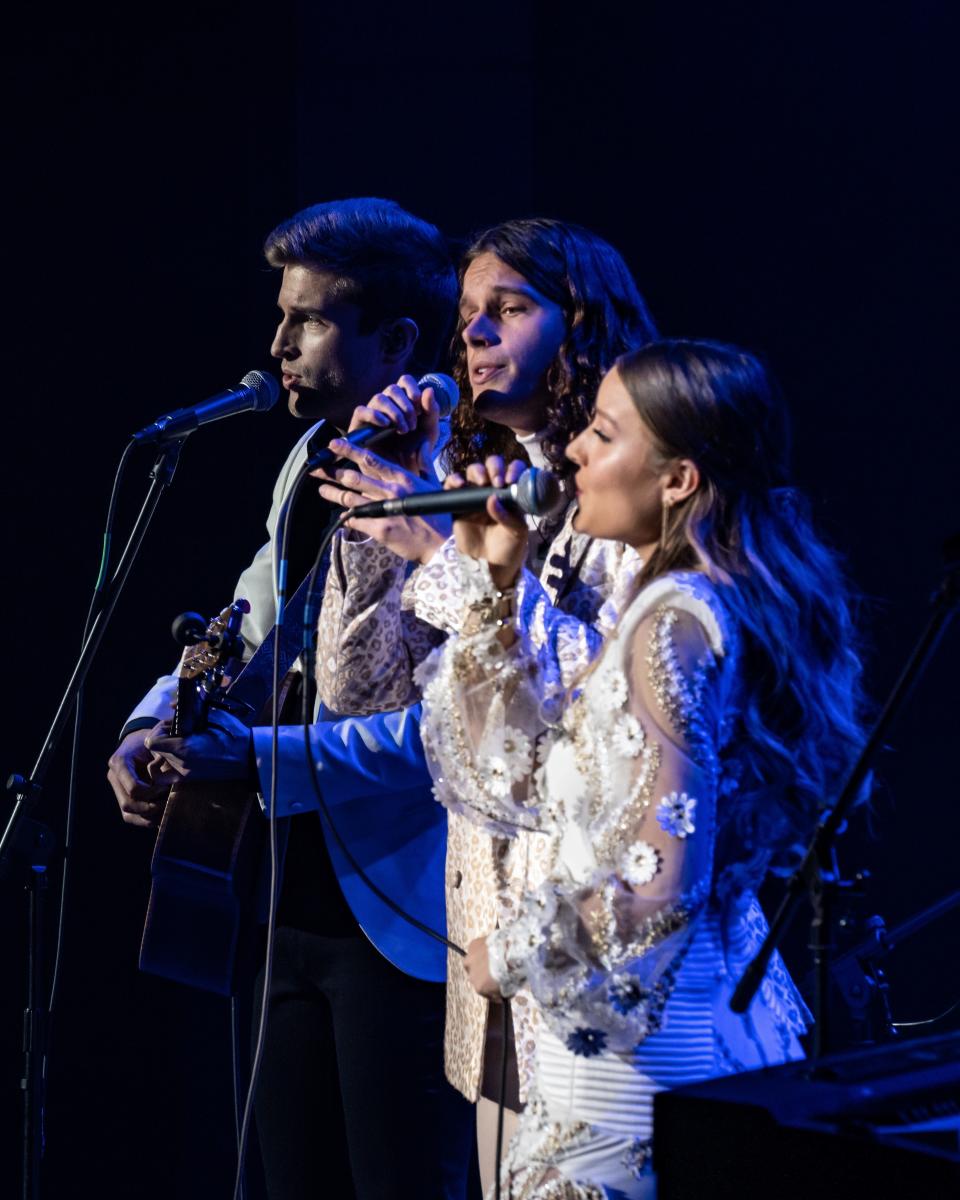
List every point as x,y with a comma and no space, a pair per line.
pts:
281,536
307,658
306,718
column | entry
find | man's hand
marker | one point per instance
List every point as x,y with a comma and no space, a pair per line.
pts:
220,753
476,963
498,535
135,775
405,467
414,414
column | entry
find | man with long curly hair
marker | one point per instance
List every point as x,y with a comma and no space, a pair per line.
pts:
545,309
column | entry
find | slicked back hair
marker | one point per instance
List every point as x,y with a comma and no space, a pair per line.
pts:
389,263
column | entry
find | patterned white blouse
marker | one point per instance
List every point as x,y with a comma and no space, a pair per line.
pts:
625,946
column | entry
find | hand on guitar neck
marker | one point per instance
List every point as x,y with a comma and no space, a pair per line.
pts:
134,773
148,762
223,751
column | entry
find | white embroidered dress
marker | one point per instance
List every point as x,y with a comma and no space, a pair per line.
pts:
627,950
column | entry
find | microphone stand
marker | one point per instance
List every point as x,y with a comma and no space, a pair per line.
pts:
860,980
817,874
28,844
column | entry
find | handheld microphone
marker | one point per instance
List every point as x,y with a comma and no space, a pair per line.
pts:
536,492
444,389
255,392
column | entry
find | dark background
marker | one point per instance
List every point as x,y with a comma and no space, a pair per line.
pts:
778,177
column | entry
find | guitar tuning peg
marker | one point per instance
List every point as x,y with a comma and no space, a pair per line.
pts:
188,629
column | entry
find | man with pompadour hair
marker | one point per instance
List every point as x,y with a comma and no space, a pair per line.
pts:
387,261
352,1100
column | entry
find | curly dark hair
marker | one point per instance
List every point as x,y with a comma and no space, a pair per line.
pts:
605,317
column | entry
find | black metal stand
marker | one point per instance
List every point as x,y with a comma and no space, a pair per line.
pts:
859,980
816,876
28,845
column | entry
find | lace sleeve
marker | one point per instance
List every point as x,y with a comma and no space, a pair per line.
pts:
367,643
560,644
633,783
486,711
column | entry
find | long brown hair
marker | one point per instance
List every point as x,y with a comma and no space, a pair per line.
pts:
752,535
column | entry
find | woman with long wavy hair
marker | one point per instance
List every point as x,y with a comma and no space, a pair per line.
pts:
688,761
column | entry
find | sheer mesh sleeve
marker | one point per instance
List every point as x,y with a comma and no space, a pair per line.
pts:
484,717
632,787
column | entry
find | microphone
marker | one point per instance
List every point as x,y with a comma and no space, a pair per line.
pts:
447,395
255,392
536,492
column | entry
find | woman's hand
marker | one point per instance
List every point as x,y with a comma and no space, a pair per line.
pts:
496,534
476,963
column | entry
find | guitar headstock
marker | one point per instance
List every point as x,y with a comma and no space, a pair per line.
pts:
202,650
206,656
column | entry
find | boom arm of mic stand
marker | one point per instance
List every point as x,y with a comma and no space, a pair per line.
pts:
809,876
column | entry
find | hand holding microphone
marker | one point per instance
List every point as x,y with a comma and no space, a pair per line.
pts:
491,515
406,407
409,407
492,518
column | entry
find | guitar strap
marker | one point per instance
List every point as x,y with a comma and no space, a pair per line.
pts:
253,687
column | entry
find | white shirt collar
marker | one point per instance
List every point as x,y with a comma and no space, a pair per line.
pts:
533,444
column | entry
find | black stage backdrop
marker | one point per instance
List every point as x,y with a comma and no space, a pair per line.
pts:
778,177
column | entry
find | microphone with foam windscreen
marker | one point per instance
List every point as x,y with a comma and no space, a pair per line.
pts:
447,395
536,493
256,392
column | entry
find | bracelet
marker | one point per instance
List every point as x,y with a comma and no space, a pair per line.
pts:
489,612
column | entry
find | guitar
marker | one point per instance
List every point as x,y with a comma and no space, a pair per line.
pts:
202,914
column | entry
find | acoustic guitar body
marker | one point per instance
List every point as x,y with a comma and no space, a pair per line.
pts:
202,917
201,920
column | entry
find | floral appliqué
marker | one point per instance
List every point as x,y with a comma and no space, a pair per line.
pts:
587,1042
675,814
625,993
628,738
516,752
500,771
496,776
616,692
641,863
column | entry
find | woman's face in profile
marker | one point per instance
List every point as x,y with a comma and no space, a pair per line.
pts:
621,475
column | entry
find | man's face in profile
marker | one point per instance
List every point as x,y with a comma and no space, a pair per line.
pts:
329,366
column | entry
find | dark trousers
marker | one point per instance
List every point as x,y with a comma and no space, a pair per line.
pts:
352,1100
